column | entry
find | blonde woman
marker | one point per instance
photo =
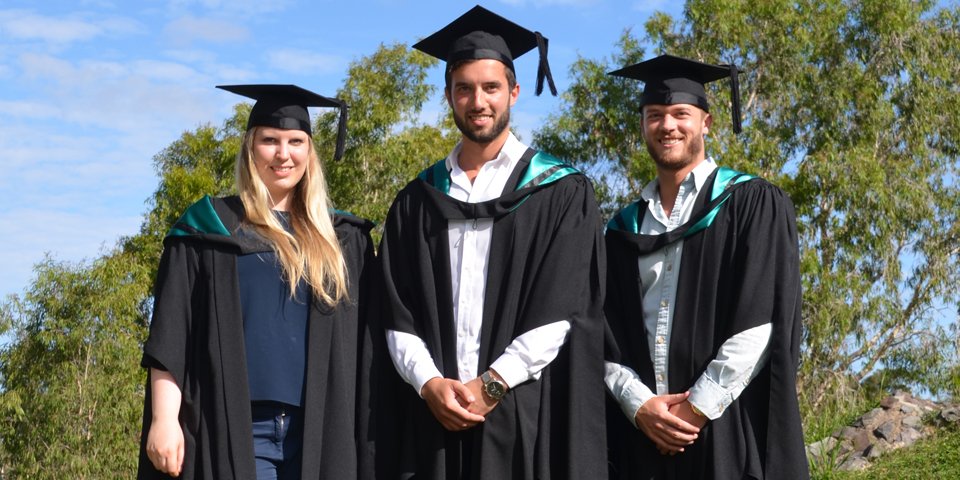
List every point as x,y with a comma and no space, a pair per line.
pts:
257,336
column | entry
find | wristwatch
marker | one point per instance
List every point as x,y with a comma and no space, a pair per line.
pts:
495,389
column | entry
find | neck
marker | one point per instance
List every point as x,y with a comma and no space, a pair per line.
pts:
474,155
669,181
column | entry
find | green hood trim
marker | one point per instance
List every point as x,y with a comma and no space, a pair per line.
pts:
437,176
725,177
543,169
626,220
199,219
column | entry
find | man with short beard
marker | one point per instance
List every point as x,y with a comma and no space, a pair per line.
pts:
703,301
493,264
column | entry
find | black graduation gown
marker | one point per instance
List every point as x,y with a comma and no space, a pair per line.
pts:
545,265
738,272
196,334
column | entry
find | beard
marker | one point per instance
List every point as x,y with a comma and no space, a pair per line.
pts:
483,136
691,152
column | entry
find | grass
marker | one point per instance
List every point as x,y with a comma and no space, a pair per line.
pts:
935,457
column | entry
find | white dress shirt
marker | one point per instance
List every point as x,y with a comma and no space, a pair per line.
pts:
739,358
469,244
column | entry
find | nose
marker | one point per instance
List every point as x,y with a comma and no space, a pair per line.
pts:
669,123
283,151
477,98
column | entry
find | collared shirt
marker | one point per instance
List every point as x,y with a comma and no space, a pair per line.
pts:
739,358
469,244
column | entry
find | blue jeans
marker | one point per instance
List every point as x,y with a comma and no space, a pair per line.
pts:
277,441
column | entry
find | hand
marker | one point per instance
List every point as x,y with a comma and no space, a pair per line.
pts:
684,411
667,431
165,443
165,446
484,404
448,401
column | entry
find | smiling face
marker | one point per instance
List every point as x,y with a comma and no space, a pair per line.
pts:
281,157
674,134
481,96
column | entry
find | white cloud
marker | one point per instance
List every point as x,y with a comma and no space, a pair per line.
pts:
551,3
31,232
304,62
23,25
188,29
242,7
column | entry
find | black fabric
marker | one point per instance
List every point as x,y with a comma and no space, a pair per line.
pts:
196,334
546,264
741,272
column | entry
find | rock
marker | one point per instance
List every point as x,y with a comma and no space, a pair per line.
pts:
861,440
853,464
912,421
874,451
821,449
886,431
890,402
950,415
871,418
909,408
908,437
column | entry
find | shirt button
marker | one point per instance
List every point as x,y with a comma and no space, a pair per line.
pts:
659,377
669,267
664,303
660,340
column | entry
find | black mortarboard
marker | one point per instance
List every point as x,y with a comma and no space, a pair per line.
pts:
480,33
669,80
285,106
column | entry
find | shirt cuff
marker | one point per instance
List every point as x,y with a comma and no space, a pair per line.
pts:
634,395
709,397
511,369
423,373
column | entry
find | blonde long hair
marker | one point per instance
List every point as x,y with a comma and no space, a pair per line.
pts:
312,252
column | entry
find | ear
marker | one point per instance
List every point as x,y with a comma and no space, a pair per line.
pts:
514,94
707,122
446,94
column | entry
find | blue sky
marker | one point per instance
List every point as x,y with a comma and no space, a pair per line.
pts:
91,90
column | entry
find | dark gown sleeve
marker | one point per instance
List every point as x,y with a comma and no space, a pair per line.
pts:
166,347
770,291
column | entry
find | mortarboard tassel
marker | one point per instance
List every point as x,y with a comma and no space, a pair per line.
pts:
543,71
341,131
735,97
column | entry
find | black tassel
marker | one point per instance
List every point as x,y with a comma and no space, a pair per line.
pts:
735,97
543,71
341,131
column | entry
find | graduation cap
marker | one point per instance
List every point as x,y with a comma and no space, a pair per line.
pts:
285,106
670,80
479,34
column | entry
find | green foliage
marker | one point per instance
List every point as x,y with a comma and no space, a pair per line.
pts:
388,142
852,107
72,389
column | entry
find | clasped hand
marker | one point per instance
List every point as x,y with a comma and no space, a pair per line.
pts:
670,422
457,406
